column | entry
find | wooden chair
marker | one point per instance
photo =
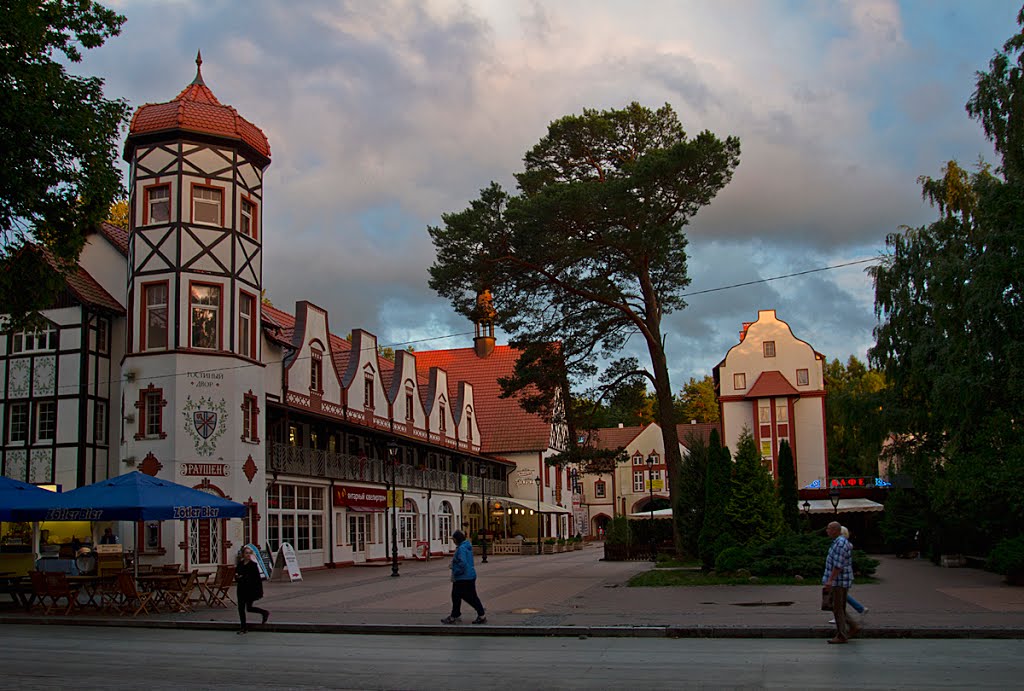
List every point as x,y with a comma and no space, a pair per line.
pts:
57,587
170,568
179,595
40,593
219,589
132,596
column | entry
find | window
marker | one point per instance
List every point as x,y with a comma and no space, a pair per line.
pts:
205,301
248,219
599,489
154,316
443,426
150,407
150,538
206,205
102,337
100,423
739,381
368,391
316,370
638,481
158,204
408,404
469,426
34,341
802,378
295,516
764,413
246,324
769,348
782,412
46,420
17,424
250,417
638,459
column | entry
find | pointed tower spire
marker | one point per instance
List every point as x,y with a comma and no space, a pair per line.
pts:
199,69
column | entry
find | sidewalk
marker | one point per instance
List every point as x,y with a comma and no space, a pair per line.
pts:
576,594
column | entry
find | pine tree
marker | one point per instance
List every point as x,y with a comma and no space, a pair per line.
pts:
753,511
714,534
788,496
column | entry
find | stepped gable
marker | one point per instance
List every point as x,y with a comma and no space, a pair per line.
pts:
197,110
504,425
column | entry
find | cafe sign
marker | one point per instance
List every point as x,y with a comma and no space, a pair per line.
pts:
365,498
204,470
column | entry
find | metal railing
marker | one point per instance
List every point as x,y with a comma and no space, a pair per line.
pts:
296,460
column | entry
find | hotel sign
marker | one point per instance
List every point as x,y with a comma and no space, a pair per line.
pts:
204,470
365,498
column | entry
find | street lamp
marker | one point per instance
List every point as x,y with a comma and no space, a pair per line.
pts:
483,503
807,508
393,456
833,496
536,481
650,479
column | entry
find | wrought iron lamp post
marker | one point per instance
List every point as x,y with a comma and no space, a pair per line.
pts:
650,479
483,509
833,496
393,458
536,481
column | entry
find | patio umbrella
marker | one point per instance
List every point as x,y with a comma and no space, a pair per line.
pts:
17,496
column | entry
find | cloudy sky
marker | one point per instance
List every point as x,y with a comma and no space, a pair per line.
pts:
382,116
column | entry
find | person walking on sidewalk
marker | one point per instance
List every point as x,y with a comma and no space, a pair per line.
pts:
464,582
249,588
838,578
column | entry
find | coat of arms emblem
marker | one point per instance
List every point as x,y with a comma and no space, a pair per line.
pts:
205,420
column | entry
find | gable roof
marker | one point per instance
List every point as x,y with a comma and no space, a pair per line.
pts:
700,430
118,237
504,425
616,437
82,285
770,384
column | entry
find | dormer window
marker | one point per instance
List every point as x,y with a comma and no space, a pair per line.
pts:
408,404
316,370
207,205
638,459
368,391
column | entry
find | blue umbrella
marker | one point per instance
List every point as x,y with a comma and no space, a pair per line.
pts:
133,497
19,496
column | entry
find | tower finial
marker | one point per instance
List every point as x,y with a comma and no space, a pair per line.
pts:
199,69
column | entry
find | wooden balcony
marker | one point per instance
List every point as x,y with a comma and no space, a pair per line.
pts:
314,463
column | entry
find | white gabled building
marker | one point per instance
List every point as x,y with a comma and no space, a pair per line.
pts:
773,384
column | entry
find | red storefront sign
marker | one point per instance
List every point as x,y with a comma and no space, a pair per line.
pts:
204,469
360,498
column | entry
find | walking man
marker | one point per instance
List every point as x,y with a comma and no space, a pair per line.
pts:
464,581
838,577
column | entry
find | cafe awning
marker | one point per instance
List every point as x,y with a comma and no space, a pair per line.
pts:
858,505
532,505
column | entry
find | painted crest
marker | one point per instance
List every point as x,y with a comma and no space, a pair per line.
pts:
205,420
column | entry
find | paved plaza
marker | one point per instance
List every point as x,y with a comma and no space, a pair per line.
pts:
576,593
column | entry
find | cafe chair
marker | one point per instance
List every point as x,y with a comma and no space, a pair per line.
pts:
132,596
58,588
40,593
218,591
170,568
179,594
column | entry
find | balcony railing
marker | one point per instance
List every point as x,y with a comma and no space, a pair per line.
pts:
295,460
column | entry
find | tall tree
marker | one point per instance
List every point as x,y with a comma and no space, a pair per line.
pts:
951,335
58,138
118,214
754,513
788,495
692,491
698,400
591,250
714,533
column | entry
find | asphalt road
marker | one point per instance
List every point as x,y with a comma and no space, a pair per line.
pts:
79,658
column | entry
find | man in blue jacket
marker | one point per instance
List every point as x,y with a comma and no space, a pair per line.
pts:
464,582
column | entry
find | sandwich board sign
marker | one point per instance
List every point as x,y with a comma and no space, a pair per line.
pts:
286,564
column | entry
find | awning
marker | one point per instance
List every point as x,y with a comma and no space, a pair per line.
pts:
658,513
859,505
532,505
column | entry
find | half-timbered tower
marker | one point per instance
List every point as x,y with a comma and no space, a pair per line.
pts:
192,371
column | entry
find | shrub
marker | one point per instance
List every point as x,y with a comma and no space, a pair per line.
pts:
789,555
618,531
1007,558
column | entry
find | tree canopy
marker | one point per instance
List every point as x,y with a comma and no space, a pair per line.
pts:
753,510
697,400
854,417
58,136
592,249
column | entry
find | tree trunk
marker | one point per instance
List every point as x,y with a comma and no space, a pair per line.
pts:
670,437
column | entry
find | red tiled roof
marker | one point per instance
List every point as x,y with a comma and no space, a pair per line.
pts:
118,237
700,430
196,109
771,383
504,425
616,437
84,287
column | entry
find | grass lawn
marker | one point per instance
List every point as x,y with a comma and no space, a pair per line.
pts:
656,578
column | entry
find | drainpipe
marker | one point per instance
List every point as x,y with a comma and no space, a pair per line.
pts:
330,524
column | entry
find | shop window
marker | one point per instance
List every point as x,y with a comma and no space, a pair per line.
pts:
246,325
157,207
17,423
802,377
46,421
739,381
154,316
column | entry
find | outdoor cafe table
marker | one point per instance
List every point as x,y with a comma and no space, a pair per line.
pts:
19,588
163,584
91,586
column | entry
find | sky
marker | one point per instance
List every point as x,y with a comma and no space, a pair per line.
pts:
384,115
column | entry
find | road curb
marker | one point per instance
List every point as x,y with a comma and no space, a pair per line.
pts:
666,631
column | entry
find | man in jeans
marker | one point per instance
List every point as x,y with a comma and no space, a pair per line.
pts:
838,577
464,581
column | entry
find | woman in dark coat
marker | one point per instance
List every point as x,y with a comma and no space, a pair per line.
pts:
249,588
